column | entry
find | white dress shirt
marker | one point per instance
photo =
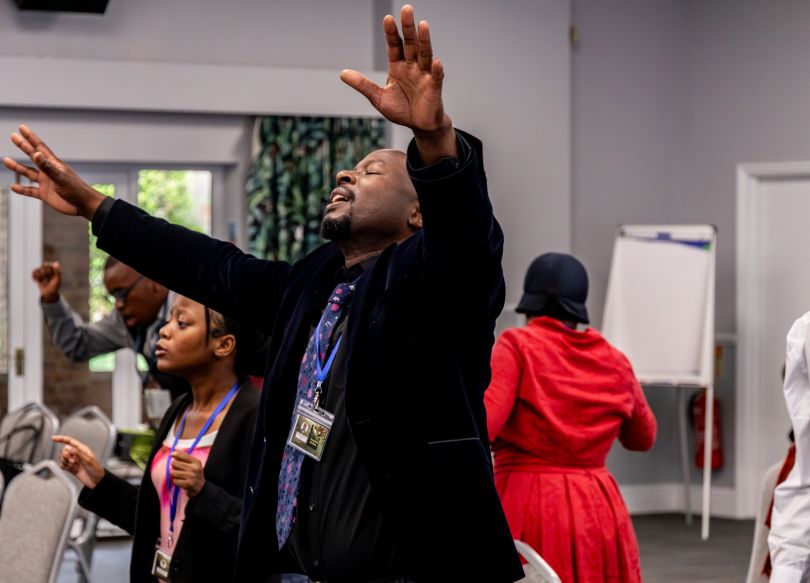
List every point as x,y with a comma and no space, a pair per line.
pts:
789,540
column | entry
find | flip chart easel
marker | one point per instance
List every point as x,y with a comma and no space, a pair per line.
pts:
659,311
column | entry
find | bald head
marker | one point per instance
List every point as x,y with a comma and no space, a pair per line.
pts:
375,201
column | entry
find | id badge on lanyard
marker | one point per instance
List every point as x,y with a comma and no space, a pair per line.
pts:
311,425
310,429
161,564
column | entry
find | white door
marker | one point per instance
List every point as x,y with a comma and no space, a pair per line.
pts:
773,291
20,317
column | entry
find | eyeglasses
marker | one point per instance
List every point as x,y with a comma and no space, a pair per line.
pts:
120,295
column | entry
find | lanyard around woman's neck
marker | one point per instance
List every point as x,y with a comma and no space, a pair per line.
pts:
175,492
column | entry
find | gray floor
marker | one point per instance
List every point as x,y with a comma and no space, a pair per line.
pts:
671,552
110,563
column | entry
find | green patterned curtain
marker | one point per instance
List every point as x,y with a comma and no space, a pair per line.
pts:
292,174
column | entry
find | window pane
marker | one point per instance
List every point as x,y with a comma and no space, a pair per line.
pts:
182,197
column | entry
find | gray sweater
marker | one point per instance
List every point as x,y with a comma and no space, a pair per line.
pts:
80,341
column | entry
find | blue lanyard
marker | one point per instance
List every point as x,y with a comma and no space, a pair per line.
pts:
322,370
176,491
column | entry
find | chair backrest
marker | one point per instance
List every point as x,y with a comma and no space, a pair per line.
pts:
536,569
93,428
25,433
759,548
38,509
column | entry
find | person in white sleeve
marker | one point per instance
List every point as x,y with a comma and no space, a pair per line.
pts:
789,540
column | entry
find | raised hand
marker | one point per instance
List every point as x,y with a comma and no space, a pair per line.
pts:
48,277
412,96
58,185
187,472
77,459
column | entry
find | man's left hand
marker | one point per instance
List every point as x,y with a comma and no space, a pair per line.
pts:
58,185
412,97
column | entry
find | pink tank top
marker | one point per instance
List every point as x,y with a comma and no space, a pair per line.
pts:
158,473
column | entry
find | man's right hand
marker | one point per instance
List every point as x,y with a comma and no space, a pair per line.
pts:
58,185
48,277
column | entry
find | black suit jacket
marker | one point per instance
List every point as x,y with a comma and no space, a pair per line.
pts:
419,339
206,548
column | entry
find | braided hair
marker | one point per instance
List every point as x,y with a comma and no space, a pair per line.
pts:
251,345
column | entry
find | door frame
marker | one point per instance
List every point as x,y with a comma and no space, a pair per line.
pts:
750,258
24,312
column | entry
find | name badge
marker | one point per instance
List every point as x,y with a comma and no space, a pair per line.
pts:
161,565
310,429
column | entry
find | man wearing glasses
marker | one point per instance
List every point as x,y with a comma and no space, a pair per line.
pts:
141,307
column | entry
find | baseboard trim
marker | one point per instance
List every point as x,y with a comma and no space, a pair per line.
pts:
669,497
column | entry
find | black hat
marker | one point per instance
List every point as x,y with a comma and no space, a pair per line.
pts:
559,276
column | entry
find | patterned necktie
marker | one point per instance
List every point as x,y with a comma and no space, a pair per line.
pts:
291,461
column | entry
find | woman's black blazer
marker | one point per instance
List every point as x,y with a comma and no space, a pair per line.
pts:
206,547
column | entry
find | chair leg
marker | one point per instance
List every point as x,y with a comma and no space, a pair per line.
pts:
84,556
84,568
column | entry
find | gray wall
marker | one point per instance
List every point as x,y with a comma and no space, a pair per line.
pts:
749,99
749,102
302,33
629,89
668,98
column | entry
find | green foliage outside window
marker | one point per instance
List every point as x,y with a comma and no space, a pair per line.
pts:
166,194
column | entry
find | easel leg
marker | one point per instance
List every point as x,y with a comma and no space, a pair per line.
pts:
707,462
687,479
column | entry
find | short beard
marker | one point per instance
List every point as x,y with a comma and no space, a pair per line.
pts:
336,229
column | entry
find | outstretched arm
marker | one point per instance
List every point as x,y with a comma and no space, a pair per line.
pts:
446,167
212,272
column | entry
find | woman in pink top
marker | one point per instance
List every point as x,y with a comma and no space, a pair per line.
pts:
184,516
558,399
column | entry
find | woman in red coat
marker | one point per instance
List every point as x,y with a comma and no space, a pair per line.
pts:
558,400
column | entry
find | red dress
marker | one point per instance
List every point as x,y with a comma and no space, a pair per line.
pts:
558,400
